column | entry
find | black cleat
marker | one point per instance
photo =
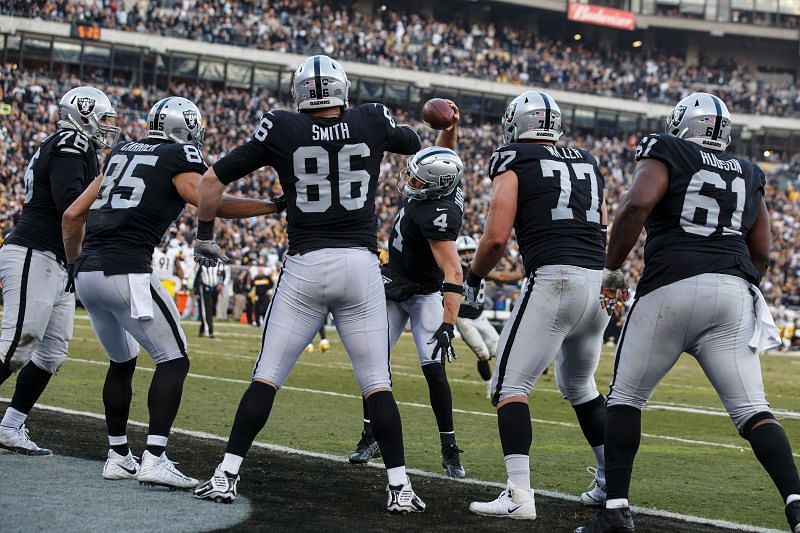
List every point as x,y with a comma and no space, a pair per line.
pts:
793,516
366,449
451,461
610,521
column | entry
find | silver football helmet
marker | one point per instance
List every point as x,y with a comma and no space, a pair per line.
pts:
701,118
318,83
430,173
532,115
466,247
176,119
89,111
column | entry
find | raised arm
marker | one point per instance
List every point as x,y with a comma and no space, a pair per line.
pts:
449,137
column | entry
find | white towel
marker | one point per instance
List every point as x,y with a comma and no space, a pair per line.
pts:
765,335
141,300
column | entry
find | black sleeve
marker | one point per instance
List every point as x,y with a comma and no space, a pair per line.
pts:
67,176
503,159
441,222
243,160
659,147
404,140
186,158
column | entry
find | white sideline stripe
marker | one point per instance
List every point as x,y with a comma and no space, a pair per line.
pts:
421,473
455,410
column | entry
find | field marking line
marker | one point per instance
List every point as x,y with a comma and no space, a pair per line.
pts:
680,440
422,473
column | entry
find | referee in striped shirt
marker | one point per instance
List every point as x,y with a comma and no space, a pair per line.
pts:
207,282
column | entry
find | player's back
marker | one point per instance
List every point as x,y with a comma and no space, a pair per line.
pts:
328,169
701,223
136,204
49,184
560,191
417,223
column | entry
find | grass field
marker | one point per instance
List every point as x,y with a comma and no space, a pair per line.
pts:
691,460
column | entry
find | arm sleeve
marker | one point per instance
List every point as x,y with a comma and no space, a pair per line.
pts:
243,160
440,224
503,159
404,140
187,158
67,179
659,147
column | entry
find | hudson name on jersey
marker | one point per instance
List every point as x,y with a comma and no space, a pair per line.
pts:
135,205
560,192
701,224
411,260
63,166
328,170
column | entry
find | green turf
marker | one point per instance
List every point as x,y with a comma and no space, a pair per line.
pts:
697,479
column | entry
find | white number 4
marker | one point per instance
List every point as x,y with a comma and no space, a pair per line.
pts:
441,222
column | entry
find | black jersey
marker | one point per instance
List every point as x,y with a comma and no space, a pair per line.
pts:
417,222
560,191
328,169
467,311
701,224
63,166
135,205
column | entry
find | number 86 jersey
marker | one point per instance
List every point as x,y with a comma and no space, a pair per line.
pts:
559,199
701,224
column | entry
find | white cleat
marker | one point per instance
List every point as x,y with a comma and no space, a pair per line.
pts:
222,488
120,466
160,471
310,347
512,503
18,441
324,345
402,500
596,495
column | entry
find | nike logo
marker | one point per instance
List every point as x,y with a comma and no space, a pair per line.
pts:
441,209
511,510
131,471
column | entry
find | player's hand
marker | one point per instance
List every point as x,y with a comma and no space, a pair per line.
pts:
472,288
280,202
70,278
613,290
444,343
456,113
208,253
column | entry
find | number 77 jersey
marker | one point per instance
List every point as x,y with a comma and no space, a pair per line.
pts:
559,199
701,224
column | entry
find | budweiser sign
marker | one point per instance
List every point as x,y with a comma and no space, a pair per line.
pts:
603,16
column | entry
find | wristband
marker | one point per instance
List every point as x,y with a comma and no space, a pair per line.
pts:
452,287
205,230
472,279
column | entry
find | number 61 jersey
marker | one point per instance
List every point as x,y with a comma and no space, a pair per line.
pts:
559,197
328,169
135,205
701,224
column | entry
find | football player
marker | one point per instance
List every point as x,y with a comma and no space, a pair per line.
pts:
328,160
476,330
708,241
144,187
553,198
38,298
423,275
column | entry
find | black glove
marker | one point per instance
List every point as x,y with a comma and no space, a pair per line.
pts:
444,343
208,253
280,202
472,288
70,278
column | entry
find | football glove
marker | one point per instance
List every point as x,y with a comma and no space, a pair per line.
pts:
208,253
613,290
70,278
444,343
280,202
472,288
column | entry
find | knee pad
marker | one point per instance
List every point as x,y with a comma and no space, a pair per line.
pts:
577,393
23,352
616,398
747,427
49,362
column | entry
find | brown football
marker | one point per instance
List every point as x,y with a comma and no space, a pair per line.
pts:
438,114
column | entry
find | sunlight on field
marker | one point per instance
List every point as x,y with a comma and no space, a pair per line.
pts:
691,460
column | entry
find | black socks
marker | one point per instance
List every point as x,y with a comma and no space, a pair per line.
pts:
251,417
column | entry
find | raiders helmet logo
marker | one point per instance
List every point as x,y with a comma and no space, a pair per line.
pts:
677,115
85,105
509,116
190,117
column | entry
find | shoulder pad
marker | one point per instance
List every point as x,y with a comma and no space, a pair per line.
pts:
72,142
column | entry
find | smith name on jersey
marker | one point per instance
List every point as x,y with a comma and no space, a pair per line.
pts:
419,221
560,191
135,205
328,170
63,166
701,224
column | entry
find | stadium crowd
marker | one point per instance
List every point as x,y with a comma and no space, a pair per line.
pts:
261,241
504,53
